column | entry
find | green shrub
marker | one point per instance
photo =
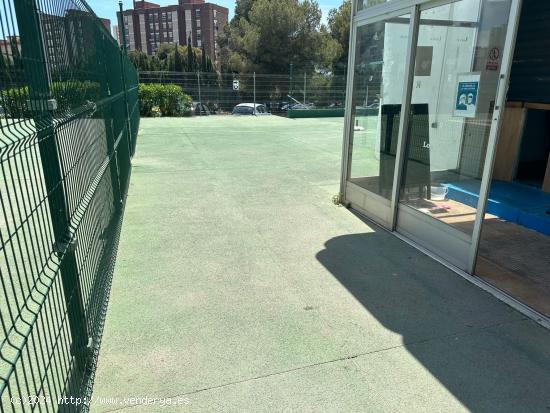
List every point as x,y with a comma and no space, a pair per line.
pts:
70,95
169,98
14,101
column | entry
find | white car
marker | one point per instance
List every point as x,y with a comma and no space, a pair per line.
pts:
250,109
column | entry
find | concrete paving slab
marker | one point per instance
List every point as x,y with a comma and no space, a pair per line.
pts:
241,287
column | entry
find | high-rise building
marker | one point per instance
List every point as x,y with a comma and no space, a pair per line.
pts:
106,23
115,33
9,47
67,36
148,25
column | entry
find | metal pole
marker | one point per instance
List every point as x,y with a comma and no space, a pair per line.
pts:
290,85
42,106
254,92
200,97
103,73
349,112
305,81
400,157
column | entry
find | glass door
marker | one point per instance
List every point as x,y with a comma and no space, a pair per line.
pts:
453,113
374,112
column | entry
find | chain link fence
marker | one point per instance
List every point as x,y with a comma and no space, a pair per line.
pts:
69,116
220,93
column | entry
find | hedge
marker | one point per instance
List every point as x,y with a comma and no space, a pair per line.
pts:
69,95
163,100
155,99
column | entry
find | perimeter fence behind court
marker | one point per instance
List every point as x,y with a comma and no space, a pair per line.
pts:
221,92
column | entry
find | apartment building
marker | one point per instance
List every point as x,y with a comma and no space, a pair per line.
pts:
115,33
8,47
106,23
148,25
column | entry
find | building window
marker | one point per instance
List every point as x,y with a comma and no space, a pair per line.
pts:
199,43
215,13
198,23
187,24
197,13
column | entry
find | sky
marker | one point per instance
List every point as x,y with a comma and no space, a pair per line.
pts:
108,8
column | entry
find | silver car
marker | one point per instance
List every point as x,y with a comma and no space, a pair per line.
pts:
255,109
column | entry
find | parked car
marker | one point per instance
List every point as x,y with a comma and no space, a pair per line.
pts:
256,109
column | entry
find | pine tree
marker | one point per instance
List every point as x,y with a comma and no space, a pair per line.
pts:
204,65
190,56
178,61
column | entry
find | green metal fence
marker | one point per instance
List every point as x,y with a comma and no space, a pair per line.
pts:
69,117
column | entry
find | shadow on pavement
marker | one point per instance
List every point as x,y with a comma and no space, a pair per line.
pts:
486,354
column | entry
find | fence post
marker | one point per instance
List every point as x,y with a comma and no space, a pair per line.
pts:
200,97
254,77
290,90
42,105
305,85
103,72
123,53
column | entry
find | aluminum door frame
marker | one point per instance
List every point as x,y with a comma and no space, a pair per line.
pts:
381,210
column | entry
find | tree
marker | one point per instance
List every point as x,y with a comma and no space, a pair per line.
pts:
139,59
266,36
173,58
190,56
339,29
178,60
203,60
242,9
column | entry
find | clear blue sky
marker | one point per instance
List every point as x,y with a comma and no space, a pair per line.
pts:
108,8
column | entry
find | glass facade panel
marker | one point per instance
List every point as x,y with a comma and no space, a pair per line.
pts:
456,76
377,95
364,4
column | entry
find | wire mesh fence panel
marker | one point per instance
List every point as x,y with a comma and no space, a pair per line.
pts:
220,93
69,116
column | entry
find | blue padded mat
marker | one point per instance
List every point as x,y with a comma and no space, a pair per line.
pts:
511,201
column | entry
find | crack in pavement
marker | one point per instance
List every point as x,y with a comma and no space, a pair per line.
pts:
336,360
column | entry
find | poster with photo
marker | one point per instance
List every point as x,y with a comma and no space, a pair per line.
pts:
467,95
